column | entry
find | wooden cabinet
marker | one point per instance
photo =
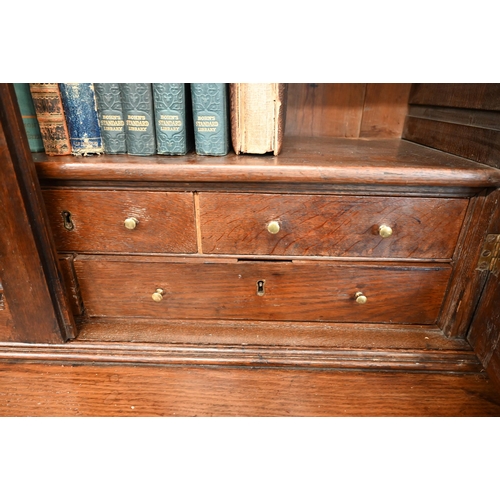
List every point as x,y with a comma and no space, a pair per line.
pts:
352,229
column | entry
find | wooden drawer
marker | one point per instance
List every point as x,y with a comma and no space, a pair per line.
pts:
166,221
196,288
324,225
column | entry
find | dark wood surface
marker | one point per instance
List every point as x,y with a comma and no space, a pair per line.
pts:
29,271
304,161
330,225
198,288
166,221
40,389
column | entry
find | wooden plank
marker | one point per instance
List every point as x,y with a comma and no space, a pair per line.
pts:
474,143
460,95
384,110
324,109
37,389
30,274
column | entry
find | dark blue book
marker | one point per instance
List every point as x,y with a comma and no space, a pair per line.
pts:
211,118
111,119
81,117
137,101
173,118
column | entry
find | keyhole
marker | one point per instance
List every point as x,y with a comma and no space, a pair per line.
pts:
260,287
68,223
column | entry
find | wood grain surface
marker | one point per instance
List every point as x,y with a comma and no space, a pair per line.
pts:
38,389
166,221
330,225
200,288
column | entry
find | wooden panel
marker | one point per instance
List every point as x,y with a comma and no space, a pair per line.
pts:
5,317
225,289
30,389
459,95
384,110
325,109
29,268
330,225
166,221
68,272
478,144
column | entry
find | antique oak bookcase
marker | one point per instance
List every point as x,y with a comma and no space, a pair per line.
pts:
368,248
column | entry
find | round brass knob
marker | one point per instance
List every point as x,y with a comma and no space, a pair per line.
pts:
360,298
158,295
384,231
131,223
273,227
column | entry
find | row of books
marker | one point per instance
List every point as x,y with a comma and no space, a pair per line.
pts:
152,118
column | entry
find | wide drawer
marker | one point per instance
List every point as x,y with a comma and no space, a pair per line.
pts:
94,221
328,225
196,288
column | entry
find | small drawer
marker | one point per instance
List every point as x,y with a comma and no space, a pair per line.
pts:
327,225
196,288
121,221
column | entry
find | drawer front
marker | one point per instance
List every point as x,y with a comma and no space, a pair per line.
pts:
282,291
94,221
323,225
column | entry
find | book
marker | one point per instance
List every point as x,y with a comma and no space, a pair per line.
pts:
258,113
28,114
111,118
173,118
138,110
81,117
211,118
51,118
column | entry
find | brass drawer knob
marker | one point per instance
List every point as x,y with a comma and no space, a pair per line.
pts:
273,227
384,231
360,298
158,295
131,223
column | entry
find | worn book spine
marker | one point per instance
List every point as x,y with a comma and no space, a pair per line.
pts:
138,110
81,117
211,118
111,118
173,118
258,113
51,119
28,114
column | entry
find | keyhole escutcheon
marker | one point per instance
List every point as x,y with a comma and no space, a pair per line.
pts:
260,287
68,223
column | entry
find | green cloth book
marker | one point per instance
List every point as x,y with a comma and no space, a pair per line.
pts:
173,118
211,118
111,119
28,113
138,110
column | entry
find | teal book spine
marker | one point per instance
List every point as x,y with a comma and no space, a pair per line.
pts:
28,114
211,118
138,110
111,118
173,118
80,110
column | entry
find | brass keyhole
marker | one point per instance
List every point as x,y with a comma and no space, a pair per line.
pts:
68,223
260,287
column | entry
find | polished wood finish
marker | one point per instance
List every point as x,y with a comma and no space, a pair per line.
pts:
225,289
31,278
165,221
307,162
330,225
35,389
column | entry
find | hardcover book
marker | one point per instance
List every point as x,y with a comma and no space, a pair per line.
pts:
28,113
138,110
81,117
111,119
51,119
173,118
211,118
258,117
